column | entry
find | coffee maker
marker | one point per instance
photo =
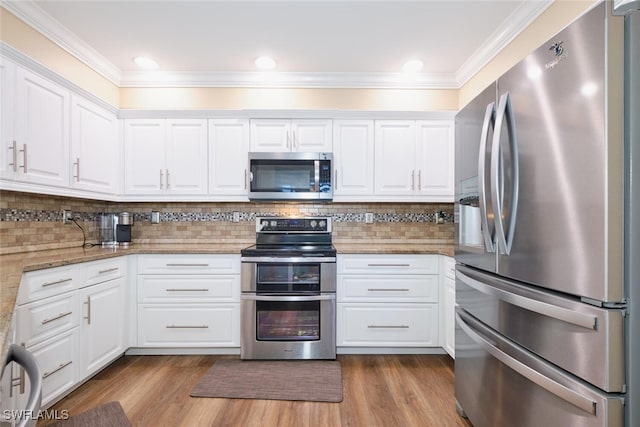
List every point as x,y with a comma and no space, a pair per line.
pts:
115,229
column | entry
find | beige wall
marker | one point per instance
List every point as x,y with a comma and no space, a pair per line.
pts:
555,18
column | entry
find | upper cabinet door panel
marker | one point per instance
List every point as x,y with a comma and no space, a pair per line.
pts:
228,156
187,159
42,130
94,147
395,157
144,145
435,158
313,135
8,158
271,135
353,157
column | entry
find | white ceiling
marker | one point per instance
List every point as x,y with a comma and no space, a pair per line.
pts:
330,43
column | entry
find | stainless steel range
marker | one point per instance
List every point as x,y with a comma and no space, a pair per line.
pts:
289,290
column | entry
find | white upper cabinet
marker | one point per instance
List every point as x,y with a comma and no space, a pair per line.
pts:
353,157
414,158
228,157
283,135
7,149
41,132
94,147
164,157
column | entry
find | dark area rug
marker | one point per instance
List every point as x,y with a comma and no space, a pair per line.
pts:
108,415
309,380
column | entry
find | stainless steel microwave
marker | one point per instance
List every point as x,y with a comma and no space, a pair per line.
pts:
290,176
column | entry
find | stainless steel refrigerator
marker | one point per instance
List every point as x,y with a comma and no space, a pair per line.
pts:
547,237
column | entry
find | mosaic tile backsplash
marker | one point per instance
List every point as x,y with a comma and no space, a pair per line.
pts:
32,222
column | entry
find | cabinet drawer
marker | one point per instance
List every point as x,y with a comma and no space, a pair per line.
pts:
58,360
202,325
384,288
103,270
387,264
40,320
40,284
193,288
382,325
189,264
449,267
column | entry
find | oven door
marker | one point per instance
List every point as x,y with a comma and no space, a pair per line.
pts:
276,326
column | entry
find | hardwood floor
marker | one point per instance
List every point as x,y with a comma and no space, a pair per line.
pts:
379,390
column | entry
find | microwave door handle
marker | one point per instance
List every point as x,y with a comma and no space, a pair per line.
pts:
316,171
489,118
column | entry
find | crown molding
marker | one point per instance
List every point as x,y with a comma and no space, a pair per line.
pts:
34,16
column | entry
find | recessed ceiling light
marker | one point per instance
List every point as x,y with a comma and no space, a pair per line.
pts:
265,63
145,63
412,66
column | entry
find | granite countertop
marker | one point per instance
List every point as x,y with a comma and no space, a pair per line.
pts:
13,265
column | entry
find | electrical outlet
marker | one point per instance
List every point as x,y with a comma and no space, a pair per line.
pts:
368,217
67,216
236,217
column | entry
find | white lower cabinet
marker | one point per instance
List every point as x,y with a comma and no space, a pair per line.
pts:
387,301
448,305
188,301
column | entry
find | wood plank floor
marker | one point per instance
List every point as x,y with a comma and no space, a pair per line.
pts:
379,390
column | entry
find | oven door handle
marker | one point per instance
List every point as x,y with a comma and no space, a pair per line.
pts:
284,260
289,298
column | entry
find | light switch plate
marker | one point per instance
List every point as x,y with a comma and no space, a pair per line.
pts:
155,217
368,217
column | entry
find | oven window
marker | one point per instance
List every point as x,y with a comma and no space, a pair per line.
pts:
283,176
288,321
288,277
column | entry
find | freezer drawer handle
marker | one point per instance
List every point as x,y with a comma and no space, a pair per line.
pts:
549,310
568,395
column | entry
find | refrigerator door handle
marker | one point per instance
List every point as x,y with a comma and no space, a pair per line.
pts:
504,111
489,119
543,308
576,399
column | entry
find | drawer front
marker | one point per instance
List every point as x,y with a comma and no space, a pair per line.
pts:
384,288
58,360
189,264
40,284
449,267
215,325
387,264
40,320
194,288
103,270
387,325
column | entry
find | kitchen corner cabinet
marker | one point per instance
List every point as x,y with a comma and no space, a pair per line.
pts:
448,305
353,154
187,301
387,301
94,147
414,158
283,135
165,157
36,138
228,157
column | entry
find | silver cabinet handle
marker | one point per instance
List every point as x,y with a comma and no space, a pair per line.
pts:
29,364
505,237
77,165
88,317
532,375
388,265
413,179
108,270
59,316
288,141
487,125
187,290
543,308
168,183
387,290
186,265
57,282
187,327
161,178
245,179
14,156
24,157
388,326
335,185
419,179
293,138
60,367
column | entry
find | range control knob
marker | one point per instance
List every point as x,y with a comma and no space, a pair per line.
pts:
322,223
313,223
274,224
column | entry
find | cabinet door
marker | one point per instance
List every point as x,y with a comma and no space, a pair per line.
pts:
435,159
103,335
94,147
144,145
353,157
313,135
395,142
42,130
449,302
8,153
187,159
228,157
271,135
